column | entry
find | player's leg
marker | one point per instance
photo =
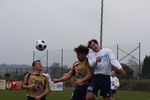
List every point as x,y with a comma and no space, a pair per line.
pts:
106,98
105,87
74,94
92,88
79,93
90,96
113,94
113,98
43,98
30,98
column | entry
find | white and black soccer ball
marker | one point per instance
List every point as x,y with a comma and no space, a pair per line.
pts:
41,45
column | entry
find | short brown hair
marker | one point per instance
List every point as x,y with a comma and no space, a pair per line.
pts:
34,62
93,40
82,49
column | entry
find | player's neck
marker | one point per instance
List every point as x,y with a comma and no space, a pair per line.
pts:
36,72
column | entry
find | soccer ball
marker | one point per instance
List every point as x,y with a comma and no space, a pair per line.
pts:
40,45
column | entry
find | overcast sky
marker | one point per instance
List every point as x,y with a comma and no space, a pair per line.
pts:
68,23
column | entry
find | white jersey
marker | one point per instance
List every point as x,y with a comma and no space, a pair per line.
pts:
48,77
108,60
114,83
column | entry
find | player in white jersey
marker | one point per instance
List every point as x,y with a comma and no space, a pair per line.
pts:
47,75
114,84
101,60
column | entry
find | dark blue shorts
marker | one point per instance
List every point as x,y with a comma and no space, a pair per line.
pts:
79,93
31,98
113,92
102,83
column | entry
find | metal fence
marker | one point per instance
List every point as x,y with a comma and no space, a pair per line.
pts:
63,59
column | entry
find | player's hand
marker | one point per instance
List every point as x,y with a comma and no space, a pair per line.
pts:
98,59
37,98
32,86
78,82
122,71
55,80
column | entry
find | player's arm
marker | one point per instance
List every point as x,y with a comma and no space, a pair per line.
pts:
28,86
86,78
65,77
25,84
47,90
81,80
115,62
116,83
42,95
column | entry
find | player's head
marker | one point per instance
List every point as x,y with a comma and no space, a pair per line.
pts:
93,44
113,73
81,52
45,70
37,65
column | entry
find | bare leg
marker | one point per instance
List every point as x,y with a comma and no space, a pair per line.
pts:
113,98
106,98
90,96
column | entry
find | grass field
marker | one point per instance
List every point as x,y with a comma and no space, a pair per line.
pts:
65,95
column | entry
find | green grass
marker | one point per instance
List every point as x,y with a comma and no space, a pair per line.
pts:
65,95
132,95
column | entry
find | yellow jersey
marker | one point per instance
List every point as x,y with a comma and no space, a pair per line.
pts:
39,80
81,69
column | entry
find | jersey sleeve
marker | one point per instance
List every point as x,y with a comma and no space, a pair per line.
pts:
73,68
26,79
117,84
113,60
89,69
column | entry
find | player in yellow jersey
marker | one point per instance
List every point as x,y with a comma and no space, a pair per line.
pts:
81,72
36,83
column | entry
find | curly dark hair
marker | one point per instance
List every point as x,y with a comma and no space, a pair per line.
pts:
82,49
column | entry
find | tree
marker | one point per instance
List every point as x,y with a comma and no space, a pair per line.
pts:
146,68
7,75
57,71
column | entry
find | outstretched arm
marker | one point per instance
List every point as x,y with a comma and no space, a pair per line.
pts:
122,71
63,78
115,62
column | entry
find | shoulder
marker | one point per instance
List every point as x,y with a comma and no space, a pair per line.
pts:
76,63
45,74
27,75
111,77
106,50
116,78
91,51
